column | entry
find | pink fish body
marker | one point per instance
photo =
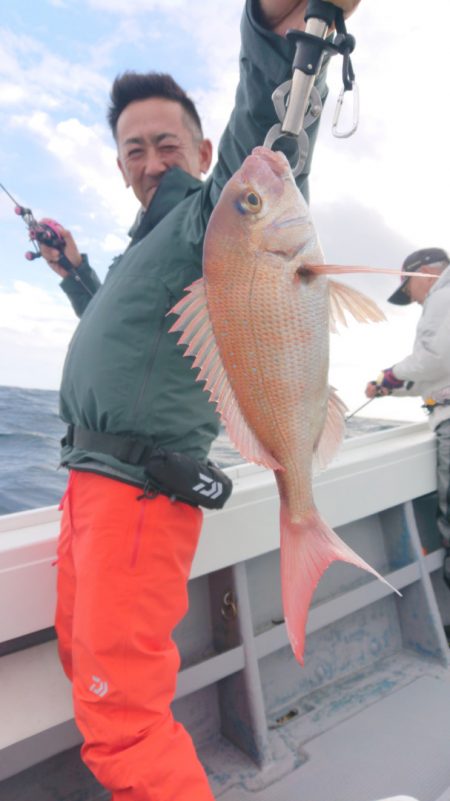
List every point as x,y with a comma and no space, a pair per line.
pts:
258,323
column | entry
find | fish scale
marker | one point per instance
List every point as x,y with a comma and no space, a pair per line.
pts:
276,379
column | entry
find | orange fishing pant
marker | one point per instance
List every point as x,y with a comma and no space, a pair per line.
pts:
123,566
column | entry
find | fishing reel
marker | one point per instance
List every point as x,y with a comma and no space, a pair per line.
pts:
45,232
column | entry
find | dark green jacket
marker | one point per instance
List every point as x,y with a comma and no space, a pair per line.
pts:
124,373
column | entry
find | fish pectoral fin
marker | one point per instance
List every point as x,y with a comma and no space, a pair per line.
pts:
197,333
344,298
333,430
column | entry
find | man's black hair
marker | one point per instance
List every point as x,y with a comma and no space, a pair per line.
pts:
132,86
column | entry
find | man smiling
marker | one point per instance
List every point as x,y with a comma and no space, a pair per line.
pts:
156,134
131,401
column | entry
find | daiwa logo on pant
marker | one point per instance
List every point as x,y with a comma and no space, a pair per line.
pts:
98,686
210,488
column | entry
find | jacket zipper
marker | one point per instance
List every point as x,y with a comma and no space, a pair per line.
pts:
151,360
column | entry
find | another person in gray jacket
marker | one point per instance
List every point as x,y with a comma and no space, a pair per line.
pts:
426,371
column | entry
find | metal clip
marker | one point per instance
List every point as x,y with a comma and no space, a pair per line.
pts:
297,102
276,133
337,113
291,129
228,609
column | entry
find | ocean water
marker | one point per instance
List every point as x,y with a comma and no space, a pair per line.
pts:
30,432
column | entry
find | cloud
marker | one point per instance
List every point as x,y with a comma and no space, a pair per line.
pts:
11,94
127,31
29,362
35,330
218,40
215,37
375,196
113,244
30,310
83,150
396,162
37,77
354,234
137,6
88,160
56,93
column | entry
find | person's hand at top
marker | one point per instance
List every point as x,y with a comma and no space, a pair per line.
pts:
70,251
280,15
348,6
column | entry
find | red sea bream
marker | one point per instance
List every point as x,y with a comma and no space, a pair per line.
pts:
258,324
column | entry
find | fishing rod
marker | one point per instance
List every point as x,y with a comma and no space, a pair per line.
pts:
352,414
378,394
45,232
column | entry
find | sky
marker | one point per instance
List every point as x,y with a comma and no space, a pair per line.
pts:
375,197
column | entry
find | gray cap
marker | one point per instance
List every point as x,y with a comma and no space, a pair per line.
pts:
413,263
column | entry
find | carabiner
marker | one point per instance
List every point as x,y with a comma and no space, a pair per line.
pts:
337,113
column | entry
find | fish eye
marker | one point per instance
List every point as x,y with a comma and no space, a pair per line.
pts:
250,201
253,199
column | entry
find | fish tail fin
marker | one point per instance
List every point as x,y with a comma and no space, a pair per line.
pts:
307,549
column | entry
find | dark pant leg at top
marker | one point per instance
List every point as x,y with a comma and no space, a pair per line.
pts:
123,567
443,480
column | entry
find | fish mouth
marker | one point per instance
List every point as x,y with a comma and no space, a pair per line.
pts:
275,159
267,165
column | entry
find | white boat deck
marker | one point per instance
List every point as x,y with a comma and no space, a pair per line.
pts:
353,760
367,718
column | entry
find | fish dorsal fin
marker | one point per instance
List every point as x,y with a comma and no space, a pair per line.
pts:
195,323
344,298
332,433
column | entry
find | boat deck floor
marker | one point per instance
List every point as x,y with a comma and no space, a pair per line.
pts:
398,746
377,734
61,778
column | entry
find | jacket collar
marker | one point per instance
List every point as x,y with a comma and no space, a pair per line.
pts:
175,186
442,281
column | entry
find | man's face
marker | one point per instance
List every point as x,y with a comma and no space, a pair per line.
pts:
154,135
